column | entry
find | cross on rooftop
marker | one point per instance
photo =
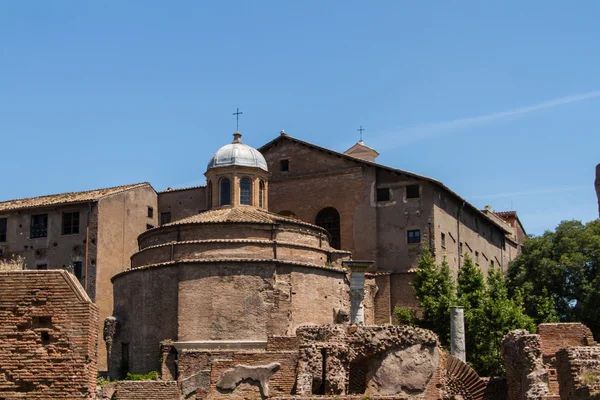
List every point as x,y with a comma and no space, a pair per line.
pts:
361,129
237,119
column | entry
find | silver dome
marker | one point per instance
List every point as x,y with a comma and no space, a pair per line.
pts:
237,153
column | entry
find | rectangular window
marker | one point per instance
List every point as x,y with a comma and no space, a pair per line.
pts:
150,212
78,271
443,240
414,236
165,218
148,226
42,266
383,194
39,226
284,165
460,248
3,228
492,263
477,257
412,192
70,223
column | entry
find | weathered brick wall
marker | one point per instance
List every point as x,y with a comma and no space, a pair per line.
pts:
560,335
48,336
579,373
282,343
141,390
526,375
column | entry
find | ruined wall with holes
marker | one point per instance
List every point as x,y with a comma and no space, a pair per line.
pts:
561,359
48,336
579,372
338,360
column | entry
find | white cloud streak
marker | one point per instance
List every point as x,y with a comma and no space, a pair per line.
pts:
426,131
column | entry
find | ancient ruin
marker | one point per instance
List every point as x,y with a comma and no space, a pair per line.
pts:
48,336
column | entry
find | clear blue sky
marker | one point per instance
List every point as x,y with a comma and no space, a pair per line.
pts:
499,101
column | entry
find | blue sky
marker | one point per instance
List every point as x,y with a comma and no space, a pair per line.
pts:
498,101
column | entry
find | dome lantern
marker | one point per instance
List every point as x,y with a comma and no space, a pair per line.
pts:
237,175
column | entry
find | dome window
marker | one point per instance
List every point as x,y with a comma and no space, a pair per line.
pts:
245,191
225,192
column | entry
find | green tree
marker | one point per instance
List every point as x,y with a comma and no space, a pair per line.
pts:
558,274
497,316
435,291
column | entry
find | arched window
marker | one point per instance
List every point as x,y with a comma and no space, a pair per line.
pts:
209,205
245,191
261,194
329,218
225,192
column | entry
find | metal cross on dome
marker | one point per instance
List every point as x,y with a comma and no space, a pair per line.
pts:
361,129
237,119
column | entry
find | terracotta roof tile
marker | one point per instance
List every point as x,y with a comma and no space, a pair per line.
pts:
238,214
66,198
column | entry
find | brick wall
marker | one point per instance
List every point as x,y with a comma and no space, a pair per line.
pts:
560,335
48,336
141,390
579,372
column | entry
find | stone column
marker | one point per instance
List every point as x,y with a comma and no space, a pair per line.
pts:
357,289
457,333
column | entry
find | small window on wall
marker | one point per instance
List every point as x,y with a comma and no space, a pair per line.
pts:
3,229
284,165
443,240
165,218
412,192
477,257
225,192
39,226
150,212
70,223
414,236
383,194
245,192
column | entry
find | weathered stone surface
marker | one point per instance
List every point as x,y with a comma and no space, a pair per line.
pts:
232,377
199,381
526,374
403,371
457,333
579,373
399,359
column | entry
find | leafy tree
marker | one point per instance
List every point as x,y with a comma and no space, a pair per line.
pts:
563,266
498,315
489,311
435,291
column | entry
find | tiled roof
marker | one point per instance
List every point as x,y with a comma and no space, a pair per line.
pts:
228,260
506,213
238,214
385,167
66,198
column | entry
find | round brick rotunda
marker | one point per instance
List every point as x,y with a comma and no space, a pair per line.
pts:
226,278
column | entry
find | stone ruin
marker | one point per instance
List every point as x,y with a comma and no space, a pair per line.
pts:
335,361
561,361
